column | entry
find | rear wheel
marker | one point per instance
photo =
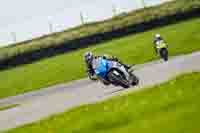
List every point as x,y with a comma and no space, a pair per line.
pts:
118,78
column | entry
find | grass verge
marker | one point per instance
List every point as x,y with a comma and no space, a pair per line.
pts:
135,49
171,107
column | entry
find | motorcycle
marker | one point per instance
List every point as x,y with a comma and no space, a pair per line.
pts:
162,50
112,72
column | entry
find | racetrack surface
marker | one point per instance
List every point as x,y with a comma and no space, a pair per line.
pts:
40,104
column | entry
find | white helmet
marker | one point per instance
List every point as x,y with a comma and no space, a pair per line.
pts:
88,56
157,36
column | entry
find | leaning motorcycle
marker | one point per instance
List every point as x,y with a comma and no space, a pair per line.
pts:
162,50
112,72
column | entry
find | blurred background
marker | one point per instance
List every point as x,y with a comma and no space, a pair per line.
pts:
37,18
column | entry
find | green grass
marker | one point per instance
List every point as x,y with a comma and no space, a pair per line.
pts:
135,49
7,107
171,107
121,21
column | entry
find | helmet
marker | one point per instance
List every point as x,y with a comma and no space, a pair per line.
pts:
88,57
157,36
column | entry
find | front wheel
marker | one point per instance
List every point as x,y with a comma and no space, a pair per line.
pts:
118,78
164,54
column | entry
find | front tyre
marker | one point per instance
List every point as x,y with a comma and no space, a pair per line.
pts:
164,54
118,78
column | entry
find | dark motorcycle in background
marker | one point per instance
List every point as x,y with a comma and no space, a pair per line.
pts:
162,50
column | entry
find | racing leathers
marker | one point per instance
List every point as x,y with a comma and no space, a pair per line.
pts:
91,70
159,43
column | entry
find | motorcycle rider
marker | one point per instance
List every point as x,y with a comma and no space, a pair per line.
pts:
157,41
90,60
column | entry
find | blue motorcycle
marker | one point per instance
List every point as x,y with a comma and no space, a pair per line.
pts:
112,72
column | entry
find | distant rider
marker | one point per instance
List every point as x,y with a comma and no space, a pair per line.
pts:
158,40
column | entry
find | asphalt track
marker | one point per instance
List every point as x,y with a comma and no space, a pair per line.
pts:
40,104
